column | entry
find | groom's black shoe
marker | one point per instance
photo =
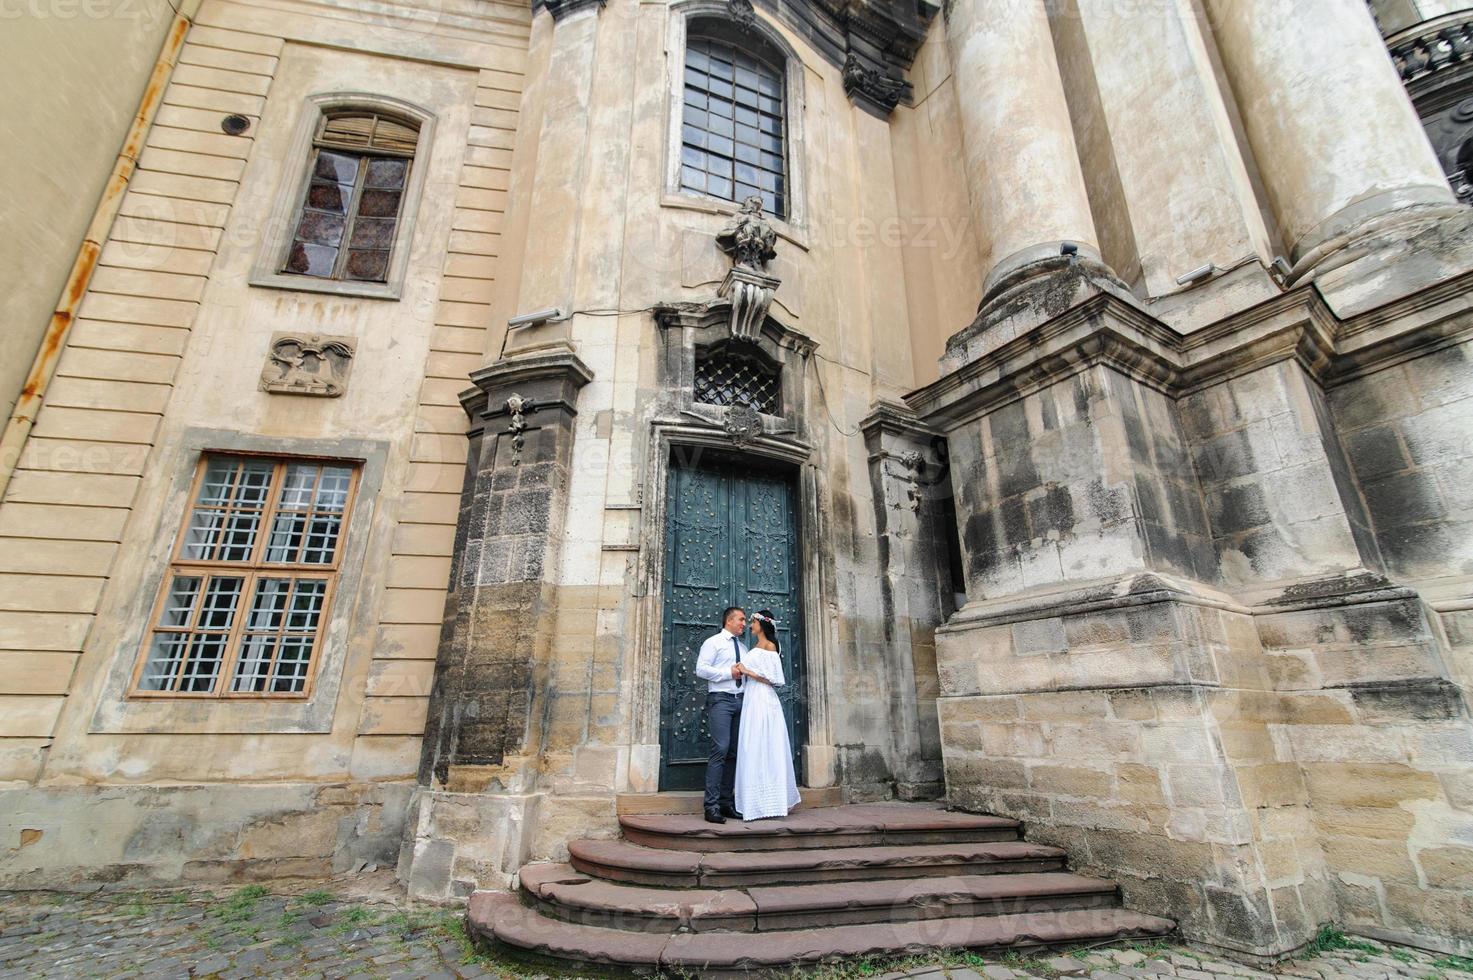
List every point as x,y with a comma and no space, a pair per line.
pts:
714,816
730,813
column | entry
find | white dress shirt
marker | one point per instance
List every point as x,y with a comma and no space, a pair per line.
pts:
714,664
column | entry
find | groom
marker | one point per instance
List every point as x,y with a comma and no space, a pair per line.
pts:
718,666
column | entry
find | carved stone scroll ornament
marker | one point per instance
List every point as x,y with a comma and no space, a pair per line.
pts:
518,408
752,243
872,84
308,364
741,12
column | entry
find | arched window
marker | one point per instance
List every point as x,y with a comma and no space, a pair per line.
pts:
735,373
344,214
349,216
733,135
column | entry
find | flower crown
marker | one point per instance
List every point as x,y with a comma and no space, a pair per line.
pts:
766,619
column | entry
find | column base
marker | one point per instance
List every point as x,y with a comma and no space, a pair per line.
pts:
1373,224
1027,290
456,843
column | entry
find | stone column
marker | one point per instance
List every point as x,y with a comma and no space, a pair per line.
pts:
1022,164
1338,143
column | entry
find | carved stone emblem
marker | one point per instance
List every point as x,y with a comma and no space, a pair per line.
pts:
308,364
518,408
742,424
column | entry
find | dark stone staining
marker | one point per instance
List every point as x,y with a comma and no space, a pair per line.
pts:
1376,452
1054,511
979,540
1109,505
1224,457
1409,498
1413,700
1238,508
1015,521
1009,426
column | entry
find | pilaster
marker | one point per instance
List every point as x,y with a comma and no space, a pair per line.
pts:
482,739
908,478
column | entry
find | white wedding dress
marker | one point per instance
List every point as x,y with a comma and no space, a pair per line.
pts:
765,784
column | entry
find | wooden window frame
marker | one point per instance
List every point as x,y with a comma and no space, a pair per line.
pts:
703,18
320,142
250,572
279,230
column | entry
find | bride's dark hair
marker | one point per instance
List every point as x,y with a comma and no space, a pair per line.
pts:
764,618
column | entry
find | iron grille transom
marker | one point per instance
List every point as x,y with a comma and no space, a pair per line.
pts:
726,374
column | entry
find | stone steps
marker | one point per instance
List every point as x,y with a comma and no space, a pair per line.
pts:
560,891
861,825
502,917
840,882
631,863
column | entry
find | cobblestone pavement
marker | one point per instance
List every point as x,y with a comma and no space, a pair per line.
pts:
301,932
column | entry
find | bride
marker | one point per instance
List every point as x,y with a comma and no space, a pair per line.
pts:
765,784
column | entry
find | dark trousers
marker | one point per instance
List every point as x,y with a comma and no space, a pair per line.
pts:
723,718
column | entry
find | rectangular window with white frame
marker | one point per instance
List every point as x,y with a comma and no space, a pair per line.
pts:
242,609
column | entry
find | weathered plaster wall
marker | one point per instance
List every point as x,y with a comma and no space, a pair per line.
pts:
169,344
940,250
74,75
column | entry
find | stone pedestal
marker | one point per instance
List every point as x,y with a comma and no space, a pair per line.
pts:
1184,655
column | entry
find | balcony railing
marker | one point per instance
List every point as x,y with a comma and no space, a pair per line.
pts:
1427,48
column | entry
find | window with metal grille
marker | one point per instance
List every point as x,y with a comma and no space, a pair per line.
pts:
355,194
732,131
242,608
728,375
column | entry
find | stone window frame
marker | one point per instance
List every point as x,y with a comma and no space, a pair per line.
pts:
281,226
249,570
794,223
349,620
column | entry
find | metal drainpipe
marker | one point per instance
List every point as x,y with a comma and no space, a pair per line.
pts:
43,369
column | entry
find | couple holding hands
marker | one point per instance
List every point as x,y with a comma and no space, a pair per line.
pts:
749,774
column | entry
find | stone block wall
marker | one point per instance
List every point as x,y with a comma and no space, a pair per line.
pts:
1141,742
1408,433
1083,479
1280,498
1216,642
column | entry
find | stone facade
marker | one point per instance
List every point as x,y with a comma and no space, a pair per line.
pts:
1124,403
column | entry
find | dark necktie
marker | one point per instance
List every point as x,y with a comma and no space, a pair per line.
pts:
738,648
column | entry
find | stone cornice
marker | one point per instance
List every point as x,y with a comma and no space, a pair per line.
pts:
701,316
552,378
1298,325
872,42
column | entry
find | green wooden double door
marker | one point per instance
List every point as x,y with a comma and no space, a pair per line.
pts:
731,539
